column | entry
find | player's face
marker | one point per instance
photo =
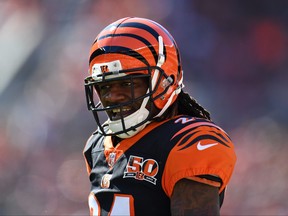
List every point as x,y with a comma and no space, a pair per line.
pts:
122,91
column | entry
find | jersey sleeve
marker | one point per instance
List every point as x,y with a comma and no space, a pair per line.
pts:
202,152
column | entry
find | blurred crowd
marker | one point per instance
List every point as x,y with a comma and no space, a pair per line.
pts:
235,61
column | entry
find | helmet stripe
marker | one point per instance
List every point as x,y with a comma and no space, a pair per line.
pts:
146,28
118,50
174,42
143,40
96,53
141,26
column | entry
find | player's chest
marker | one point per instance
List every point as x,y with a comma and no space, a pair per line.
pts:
141,163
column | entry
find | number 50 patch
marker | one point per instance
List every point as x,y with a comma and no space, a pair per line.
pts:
141,169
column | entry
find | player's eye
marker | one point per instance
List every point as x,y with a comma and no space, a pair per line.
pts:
127,84
104,87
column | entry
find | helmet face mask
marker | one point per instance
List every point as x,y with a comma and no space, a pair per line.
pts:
138,104
130,49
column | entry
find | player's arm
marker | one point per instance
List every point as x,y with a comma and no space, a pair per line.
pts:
193,198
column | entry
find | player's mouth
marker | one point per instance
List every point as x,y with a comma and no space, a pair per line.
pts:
117,113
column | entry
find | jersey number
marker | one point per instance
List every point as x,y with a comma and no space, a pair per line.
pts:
122,205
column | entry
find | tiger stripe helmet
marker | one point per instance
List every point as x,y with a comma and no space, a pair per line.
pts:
123,48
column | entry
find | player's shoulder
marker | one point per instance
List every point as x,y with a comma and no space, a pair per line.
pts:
185,120
188,122
200,129
94,139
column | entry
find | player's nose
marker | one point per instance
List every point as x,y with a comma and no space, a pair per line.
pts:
115,94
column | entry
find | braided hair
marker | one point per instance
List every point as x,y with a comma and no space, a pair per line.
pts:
185,105
189,106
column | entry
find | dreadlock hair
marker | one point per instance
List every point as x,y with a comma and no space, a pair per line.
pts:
189,106
185,105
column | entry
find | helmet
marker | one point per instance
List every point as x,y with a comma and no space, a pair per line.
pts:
129,48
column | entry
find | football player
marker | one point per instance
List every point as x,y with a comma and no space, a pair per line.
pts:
156,152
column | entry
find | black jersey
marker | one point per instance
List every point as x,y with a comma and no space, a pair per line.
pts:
137,176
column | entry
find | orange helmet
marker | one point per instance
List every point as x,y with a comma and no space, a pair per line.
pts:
131,46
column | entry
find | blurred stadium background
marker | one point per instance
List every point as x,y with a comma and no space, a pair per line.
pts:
235,61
